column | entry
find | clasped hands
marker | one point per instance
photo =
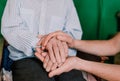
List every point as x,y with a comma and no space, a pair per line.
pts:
53,55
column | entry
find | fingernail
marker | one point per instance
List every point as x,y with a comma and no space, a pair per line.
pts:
44,66
50,75
47,70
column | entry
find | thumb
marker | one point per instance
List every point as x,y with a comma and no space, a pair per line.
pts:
39,56
56,72
64,38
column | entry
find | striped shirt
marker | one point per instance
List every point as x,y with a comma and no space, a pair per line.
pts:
24,20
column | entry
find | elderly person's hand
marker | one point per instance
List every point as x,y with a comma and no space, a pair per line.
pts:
57,50
55,54
39,52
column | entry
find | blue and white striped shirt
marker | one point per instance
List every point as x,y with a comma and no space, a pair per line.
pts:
24,20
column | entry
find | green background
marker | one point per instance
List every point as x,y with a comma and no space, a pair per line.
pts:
2,5
97,17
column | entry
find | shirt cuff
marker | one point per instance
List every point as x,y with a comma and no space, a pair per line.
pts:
72,52
34,43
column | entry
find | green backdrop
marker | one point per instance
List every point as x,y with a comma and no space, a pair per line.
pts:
97,17
2,5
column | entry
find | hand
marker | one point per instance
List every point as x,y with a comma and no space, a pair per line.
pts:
68,65
42,38
60,36
104,58
49,65
57,50
40,54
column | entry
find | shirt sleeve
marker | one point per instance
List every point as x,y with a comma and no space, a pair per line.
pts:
14,30
72,26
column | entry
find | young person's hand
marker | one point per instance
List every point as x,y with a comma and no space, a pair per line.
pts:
69,64
60,36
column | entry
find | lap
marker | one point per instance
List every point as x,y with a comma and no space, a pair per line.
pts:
31,69
74,75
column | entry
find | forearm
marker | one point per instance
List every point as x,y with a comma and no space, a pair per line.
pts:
105,71
71,52
76,34
96,47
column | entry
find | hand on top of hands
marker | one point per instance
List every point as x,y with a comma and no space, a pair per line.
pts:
53,54
67,66
60,36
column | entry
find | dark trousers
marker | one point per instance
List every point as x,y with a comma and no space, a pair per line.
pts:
31,69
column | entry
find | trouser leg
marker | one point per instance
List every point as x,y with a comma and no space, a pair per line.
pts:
74,75
30,69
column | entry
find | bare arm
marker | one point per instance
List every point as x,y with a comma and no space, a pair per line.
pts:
99,47
96,47
105,71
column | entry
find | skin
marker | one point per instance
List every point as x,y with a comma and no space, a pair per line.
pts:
55,55
106,71
96,47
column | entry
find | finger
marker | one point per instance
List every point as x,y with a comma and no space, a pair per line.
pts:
68,65
54,66
56,72
44,54
45,62
65,38
104,58
49,66
38,50
65,46
59,65
39,56
42,41
57,52
50,51
50,36
60,35
61,50
65,67
41,37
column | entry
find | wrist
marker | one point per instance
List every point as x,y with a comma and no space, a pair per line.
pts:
80,64
74,42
